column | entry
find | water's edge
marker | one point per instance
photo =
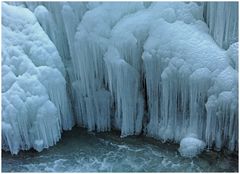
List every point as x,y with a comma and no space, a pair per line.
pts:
83,151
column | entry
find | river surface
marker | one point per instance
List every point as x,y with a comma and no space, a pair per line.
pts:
82,151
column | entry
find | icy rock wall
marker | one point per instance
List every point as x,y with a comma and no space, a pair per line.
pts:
222,19
35,105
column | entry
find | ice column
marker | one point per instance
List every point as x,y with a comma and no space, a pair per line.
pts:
222,19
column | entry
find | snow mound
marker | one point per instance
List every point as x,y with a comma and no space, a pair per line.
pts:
34,100
233,55
191,147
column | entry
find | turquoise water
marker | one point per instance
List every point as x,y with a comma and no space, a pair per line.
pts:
81,151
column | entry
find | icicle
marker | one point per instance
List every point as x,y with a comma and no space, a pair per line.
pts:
211,108
200,82
152,67
45,19
47,128
70,23
222,19
222,114
128,105
56,88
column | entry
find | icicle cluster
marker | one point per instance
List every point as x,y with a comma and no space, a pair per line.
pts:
35,103
90,70
147,67
222,19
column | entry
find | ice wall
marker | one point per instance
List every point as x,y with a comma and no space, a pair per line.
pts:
60,20
35,105
167,50
222,19
151,68
92,38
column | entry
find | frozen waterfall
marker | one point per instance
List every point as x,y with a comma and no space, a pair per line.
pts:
222,19
35,103
152,68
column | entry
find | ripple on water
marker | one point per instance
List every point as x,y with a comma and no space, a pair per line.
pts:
79,151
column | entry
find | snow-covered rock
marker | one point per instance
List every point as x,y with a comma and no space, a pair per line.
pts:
191,147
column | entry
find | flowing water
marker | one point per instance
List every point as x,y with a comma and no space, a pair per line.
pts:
81,151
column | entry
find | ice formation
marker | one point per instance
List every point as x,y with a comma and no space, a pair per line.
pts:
222,19
35,103
191,146
156,68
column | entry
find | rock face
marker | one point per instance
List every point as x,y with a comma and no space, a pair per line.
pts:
135,67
